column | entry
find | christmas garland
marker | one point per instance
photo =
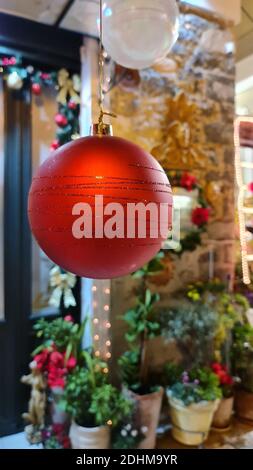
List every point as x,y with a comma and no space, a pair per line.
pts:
16,75
200,214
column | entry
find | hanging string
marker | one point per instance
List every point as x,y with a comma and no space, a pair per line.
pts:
101,72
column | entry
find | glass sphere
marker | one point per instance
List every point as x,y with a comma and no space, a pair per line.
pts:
138,33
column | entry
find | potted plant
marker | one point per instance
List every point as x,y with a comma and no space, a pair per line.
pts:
134,368
223,414
94,405
55,436
192,326
229,307
57,356
242,358
193,399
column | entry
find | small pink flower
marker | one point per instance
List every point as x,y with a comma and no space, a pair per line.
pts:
69,318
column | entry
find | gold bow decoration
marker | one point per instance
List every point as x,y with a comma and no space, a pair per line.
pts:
62,284
69,87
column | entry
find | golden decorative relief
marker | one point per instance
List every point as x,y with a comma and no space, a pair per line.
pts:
69,87
180,148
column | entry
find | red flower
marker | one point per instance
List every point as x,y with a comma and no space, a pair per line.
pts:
250,187
58,428
221,372
200,216
216,367
71,363
61,120
55,144
56,382
66,442
36,89
42,359
188,181
69,318
57,359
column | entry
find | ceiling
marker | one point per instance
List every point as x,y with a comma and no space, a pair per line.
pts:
78,15
81,16
244,31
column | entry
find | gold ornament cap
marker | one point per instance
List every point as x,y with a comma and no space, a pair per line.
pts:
101,129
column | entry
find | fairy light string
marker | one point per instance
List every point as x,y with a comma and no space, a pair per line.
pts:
240,199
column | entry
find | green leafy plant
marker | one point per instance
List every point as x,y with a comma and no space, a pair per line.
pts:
192,326
196,385
142,326
88,397
155,266
230,307
242,355
63,333
128,433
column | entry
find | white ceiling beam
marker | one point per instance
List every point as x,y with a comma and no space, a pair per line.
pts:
228,9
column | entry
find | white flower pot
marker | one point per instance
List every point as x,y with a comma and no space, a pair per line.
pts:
191,424
89,438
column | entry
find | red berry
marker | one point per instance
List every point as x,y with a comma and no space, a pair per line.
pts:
36,89
55,144
72,105
61,120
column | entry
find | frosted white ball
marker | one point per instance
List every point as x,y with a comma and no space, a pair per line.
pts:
138,33
14,81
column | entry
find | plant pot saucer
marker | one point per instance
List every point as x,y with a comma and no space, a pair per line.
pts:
221,430
244,420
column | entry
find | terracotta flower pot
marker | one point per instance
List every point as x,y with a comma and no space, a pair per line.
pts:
244,405
149,407
223,414
89,438
191,424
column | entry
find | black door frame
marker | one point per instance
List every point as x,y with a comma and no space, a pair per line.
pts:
43,46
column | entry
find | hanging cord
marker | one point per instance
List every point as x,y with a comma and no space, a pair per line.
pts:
101,72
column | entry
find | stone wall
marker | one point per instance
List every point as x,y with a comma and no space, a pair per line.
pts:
182,112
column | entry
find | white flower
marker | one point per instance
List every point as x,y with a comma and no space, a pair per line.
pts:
144,429
134,433
123,433
128,427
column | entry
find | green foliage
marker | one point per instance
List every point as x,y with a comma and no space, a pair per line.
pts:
129,363
151,268
193,327
171,373
199,384
190,242
109,404
88,397
242,355
64,134
142,326
53,443
140,319
229,307
65,335
128,434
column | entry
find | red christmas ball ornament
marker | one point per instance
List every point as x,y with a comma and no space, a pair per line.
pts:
36,89
72,105
61,120
100,207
